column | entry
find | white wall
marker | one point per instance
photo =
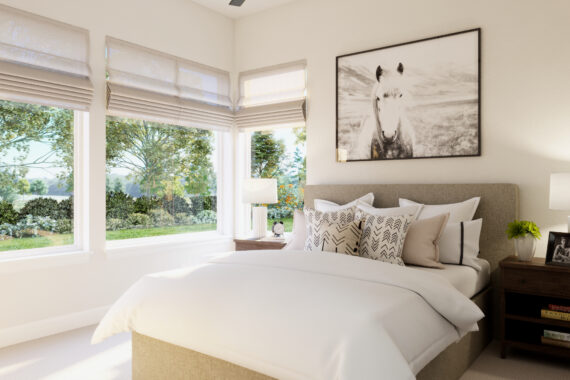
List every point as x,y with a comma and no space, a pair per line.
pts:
525,123
525,114
34,297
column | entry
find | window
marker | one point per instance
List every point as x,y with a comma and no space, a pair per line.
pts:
280,154
161,179
271,118
36,176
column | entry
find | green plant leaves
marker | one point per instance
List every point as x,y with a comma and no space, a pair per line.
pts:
522,228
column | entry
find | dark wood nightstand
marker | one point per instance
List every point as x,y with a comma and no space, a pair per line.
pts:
256,244
526,289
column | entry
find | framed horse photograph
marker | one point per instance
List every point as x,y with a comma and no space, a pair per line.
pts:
418,99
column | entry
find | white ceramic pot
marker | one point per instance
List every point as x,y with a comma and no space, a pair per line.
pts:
525,247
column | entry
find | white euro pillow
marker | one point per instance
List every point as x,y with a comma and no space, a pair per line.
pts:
328,206
388,211
458,212
299,235
459,243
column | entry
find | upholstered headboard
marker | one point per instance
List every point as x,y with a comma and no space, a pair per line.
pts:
499,205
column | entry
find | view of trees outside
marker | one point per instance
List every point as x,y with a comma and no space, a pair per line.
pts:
281,154
161,179
36,176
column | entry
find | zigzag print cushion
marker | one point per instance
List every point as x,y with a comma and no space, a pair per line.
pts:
383,237
341,238
317,222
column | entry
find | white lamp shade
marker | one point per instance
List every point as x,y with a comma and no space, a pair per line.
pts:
560,191
259,190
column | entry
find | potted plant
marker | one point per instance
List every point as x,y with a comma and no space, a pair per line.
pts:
526,234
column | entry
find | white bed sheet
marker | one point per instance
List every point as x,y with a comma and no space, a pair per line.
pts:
466,279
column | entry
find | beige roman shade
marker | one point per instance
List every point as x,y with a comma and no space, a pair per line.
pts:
43,61
147,84
272,97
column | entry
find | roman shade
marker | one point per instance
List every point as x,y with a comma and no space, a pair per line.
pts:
147,84
43,61
272,97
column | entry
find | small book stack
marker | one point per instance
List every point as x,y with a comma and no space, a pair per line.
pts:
556,338
556,312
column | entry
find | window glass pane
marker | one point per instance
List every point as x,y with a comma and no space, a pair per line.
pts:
161,179
36,176
280,154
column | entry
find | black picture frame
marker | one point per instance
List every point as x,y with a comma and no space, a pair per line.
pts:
554,255
476,153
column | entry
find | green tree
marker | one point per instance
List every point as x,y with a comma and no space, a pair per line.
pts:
23,186
266,155
23,124
38,187
155,153
118,185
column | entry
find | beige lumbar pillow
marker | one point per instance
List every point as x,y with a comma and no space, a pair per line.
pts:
421,246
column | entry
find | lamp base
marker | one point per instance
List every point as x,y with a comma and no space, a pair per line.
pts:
259,219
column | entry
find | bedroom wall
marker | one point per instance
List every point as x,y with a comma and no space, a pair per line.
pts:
67,293
525,86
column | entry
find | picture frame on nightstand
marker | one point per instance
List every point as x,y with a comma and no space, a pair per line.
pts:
558,250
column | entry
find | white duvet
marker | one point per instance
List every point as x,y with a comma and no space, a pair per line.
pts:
300,315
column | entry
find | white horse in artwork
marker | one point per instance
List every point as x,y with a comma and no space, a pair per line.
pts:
386,132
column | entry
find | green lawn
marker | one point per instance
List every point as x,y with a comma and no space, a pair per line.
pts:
36,242
67,239
157,231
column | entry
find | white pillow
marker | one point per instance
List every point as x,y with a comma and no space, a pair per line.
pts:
299,235
328,206
459,243
458,212
389,211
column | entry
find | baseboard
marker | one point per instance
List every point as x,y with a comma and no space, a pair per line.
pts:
50,326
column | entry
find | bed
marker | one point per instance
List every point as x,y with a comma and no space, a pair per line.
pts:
155,358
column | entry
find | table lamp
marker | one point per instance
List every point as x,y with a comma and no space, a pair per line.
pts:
560,192
260,191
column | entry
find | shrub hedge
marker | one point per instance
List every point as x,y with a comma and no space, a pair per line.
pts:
7,213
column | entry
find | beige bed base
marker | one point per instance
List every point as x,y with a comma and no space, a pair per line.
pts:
154,359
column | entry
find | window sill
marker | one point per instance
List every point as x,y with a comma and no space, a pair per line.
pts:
31,260
158,244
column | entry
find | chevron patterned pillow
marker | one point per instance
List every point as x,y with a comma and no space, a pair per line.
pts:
341,238
318,221
383,237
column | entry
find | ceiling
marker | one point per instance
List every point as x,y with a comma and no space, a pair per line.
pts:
249,7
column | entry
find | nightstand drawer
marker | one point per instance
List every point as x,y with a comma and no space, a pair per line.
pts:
536,281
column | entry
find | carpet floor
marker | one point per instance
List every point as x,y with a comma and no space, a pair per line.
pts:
70,356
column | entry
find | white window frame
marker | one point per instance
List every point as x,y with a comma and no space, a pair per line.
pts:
80,200
122,247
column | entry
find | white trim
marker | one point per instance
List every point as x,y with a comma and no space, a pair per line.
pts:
157,244
45,327
81,181
45,260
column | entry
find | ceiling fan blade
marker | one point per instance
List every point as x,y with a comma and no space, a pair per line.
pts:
236,3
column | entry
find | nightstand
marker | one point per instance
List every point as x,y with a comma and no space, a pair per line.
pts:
256,244
527,288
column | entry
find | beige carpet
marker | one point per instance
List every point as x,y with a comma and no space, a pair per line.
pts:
70,356
519,365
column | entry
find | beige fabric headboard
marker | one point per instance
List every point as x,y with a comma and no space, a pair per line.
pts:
499,205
